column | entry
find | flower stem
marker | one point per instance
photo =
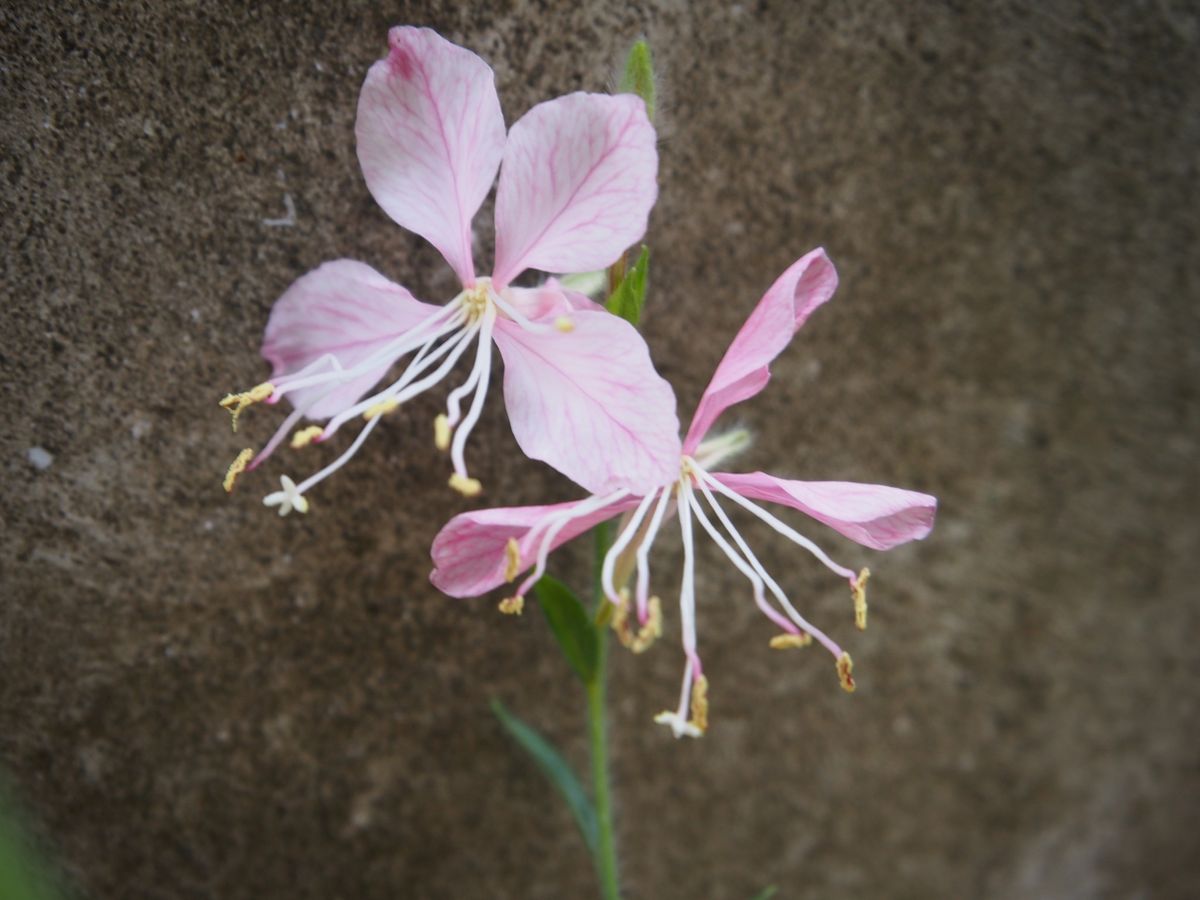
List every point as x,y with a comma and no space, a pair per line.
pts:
606,850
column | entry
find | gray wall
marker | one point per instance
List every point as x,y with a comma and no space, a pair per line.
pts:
199,699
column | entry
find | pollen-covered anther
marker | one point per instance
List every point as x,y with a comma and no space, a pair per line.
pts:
512,561
700,705
237,467
647,633
441,432
564,324
791,641
475,301
468,487
845,670
306,436
512,606
382,408
859,589
236,403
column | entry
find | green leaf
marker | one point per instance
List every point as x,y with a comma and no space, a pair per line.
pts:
571,626
638,77
23,875
555,768
767,893
630,295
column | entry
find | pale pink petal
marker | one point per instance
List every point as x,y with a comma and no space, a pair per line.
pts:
430,138
577,185
344,309
874,515
470,552
548,300
589,403
743,371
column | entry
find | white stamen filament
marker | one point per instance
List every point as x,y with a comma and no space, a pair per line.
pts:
481,373
776,524
687,588
359,439
643,554
770,582
554,524
405,343
405,387
618,547
520,318
743,567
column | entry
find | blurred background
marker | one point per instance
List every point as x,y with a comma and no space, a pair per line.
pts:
200,699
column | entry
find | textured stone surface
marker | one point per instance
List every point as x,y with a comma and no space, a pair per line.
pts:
198,699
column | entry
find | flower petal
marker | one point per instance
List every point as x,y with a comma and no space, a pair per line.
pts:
577,185
470,552
548,300
344,309
743,371
874,515
430,138
590,404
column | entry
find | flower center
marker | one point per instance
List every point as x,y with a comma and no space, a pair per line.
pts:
475,300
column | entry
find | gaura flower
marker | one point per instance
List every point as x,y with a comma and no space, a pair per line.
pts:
577,181
479,550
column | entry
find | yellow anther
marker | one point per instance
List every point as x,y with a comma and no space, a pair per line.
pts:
468,487
790,641
236,403
237,467
646,634
512,565
382,408
700,704
845,670
564,324
475,302
512,606
859,590
306,436
441,432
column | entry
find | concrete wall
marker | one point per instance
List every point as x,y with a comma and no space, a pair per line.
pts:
198,699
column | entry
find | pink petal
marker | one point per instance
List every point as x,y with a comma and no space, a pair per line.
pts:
874,515
469,553
577,185
343,308
548,300
430,138
590,404
743,371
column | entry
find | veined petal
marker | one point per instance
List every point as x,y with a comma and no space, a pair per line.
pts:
470,554
577,185
743,370
430,138
590,404
874,515
343,309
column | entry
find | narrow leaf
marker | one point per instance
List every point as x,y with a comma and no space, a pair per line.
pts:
766,893
555,768
570,624
638,77
630,295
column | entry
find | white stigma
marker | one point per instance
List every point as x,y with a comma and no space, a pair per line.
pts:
287,499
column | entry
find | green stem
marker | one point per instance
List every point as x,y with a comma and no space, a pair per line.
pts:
606,849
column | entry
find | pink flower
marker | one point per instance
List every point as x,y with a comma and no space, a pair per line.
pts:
479,550
577,181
